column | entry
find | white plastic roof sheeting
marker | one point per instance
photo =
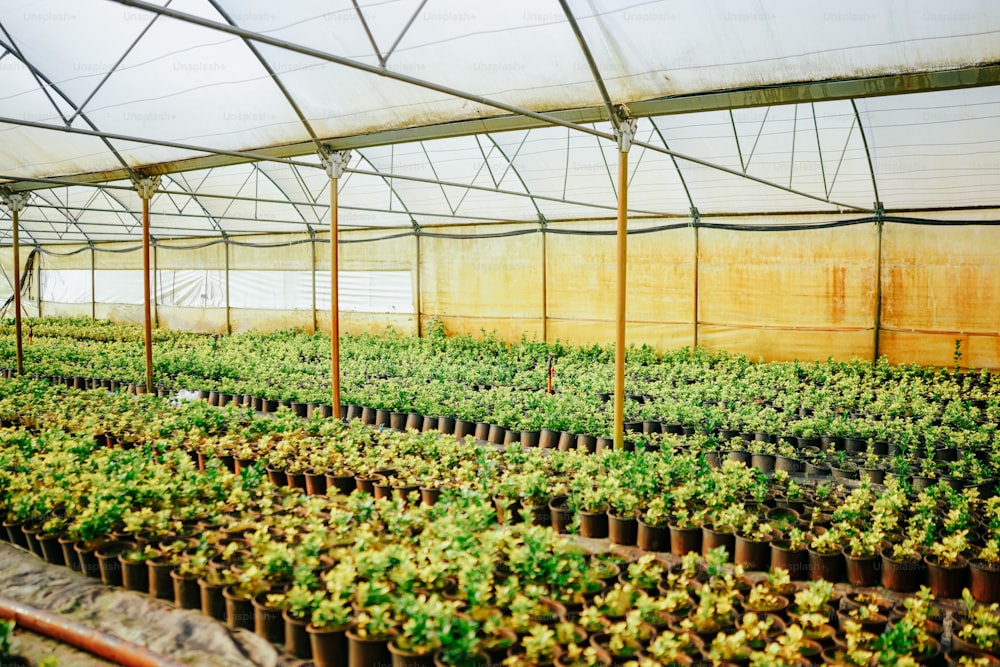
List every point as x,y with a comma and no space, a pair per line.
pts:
107,68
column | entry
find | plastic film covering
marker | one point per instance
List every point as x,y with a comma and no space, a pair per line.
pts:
126,71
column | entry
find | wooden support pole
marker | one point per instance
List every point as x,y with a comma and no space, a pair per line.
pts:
624,132
146,187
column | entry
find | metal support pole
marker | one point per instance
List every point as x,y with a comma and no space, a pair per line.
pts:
417,300
335,162
878,281
146,187
38,284
545,282
15,202
229,323
312,247
93,282
156,284
624,133
695,217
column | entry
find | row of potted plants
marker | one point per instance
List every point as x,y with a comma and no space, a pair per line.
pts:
490,381
126,470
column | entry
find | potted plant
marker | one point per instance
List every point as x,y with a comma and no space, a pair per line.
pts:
538,648
947,568
327,630
427,621
653,533
622,523
368,637
752,544
902,566
791,554
590,505
578,656
984,573
644,574
979,630
460,647
624,639
826,560
862,558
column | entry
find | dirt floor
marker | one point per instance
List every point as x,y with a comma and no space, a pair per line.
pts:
184,635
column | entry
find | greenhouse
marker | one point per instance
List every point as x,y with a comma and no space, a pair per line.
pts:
436,332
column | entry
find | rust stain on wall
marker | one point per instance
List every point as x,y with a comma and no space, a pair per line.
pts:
837,294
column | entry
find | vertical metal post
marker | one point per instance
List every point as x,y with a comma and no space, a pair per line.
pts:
624,133
146,187
229,323
545,283
312,248
334,300
697,272
93,282
416,239
156,285
335,163
17,291
878,282
38,285
15,202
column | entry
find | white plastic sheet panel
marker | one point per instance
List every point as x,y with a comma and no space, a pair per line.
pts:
118,286
73,286
191,288
270,290
360,291
66,285
368,291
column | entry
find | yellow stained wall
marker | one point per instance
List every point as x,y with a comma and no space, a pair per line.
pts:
939,285
784,295
582,277
808,294
483,284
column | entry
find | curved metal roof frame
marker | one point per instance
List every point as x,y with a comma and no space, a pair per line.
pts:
578,120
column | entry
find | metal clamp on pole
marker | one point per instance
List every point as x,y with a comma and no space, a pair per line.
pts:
335,162
624,128
146,186
15,201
